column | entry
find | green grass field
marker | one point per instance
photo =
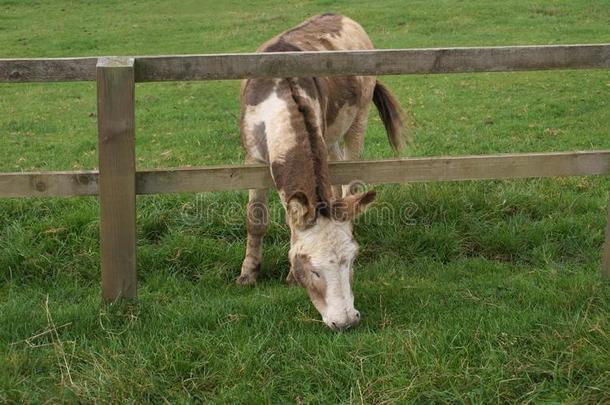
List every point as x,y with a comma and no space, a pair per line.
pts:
481,292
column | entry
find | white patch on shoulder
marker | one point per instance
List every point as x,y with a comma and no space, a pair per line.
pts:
275,114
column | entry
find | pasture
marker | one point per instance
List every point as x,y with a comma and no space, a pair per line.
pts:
478,291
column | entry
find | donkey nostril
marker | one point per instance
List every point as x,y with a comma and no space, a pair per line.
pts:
334,324
357,315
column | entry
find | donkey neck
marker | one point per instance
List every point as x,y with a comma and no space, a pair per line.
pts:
290,115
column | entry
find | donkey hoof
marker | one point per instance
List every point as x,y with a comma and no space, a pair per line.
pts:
246,279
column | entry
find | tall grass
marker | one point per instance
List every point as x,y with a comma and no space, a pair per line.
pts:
470,292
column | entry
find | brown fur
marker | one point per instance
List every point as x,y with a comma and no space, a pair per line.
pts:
306,35
337,92
302,270
350,207
257,90
296,173
318,154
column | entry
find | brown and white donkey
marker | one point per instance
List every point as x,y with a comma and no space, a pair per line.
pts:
295,125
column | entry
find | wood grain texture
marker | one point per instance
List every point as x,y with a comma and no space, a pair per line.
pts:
49,184
295,64
372,62
47,70
227,178
507,166
606,250
117,193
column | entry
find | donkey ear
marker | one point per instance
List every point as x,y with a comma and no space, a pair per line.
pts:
350,207
361,201
298,210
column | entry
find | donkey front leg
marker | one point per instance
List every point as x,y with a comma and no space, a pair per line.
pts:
257,218
335,153
354,142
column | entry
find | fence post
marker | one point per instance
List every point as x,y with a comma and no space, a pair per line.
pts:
117,194
606,255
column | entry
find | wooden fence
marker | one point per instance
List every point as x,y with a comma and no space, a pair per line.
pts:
117,181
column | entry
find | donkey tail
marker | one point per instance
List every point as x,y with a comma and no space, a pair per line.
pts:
392,115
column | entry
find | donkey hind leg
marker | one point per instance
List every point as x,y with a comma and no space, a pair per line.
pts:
354,143
257,218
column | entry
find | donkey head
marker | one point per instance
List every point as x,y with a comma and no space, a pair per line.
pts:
322,254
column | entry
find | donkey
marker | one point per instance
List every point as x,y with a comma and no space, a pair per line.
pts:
295,125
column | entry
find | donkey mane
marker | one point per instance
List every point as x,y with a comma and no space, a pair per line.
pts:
316,145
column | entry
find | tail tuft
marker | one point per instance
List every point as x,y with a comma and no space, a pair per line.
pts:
392,115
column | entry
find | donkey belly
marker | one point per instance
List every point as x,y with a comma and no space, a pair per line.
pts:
341,124
348,101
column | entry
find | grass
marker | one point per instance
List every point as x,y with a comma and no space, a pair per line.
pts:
472,292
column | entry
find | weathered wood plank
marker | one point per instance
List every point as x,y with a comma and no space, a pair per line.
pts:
372,62
606,252
117,192
49,184
227,178
47,70
508,166
294,64
386,171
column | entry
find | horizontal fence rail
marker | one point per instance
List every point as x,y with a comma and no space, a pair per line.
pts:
300,64
227,178
117,183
